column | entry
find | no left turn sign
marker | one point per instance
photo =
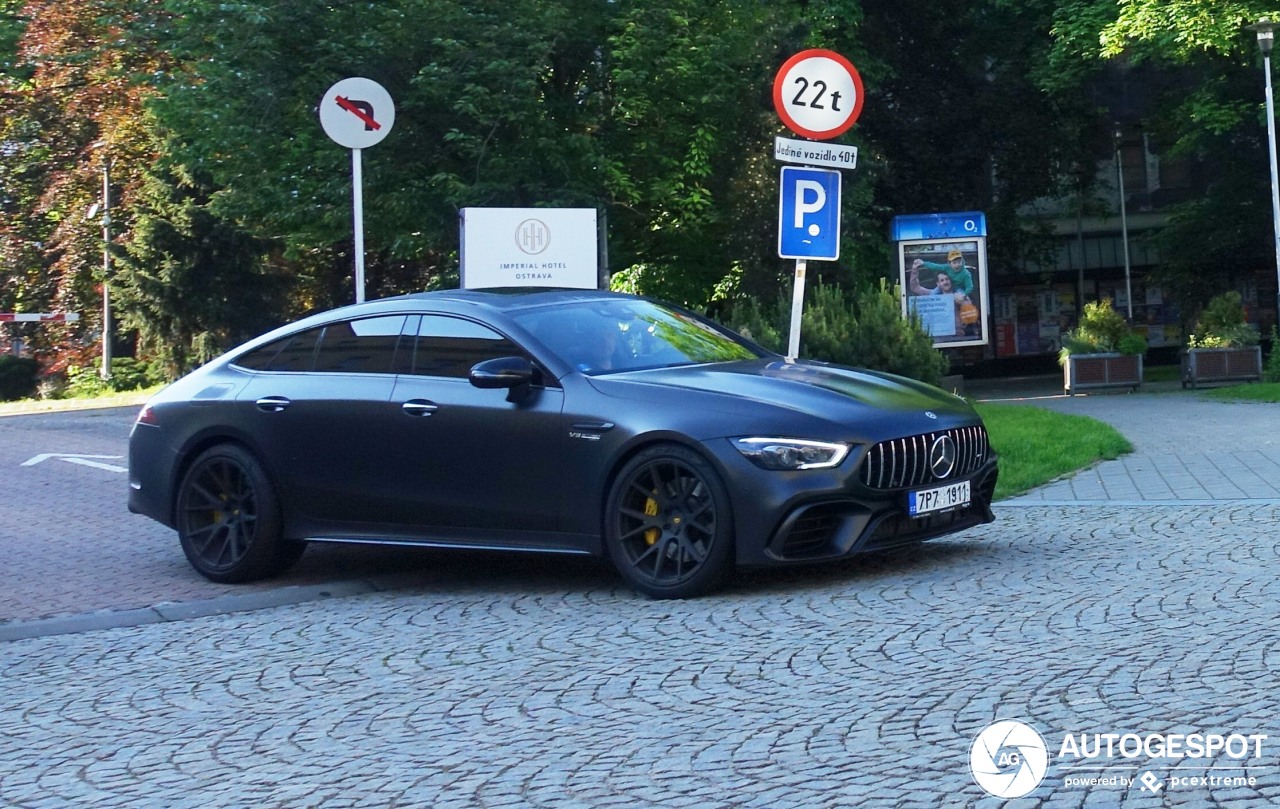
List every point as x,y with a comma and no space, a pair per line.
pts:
357,113
818,94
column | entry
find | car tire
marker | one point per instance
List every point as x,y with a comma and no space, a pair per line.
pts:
668,527
228,518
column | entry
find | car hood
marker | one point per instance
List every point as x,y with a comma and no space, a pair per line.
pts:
879,404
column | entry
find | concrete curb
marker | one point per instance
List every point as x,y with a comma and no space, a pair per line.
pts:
67,405
166,612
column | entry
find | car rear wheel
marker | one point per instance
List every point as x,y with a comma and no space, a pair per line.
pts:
228,518
668,527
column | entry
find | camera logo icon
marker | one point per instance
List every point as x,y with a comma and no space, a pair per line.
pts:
1008,759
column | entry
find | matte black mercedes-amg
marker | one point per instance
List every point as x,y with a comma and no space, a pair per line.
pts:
576,422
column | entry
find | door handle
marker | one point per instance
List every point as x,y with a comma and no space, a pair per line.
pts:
273,404
419,407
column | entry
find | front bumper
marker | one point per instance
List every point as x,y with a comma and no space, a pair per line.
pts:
820,514
838,528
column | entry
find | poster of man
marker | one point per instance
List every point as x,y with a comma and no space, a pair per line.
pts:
943,283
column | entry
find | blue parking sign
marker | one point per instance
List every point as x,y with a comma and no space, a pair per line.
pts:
809,214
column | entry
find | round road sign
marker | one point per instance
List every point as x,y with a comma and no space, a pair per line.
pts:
357,113
818,94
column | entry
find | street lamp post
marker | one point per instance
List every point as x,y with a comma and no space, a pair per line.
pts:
1265,29
106,268
1124,224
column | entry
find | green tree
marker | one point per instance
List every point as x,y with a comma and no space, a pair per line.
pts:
192,285
658,114
71,103
1209,114
646,111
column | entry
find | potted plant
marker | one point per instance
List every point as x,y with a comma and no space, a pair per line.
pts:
1101,352
1222,348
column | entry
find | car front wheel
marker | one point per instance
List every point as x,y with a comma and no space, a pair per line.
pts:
668,526
228,518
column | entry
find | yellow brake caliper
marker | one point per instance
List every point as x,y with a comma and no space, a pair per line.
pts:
651,510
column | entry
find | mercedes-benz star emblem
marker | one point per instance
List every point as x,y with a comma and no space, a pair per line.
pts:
942,456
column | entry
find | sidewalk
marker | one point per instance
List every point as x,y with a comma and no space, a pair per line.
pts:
1187,449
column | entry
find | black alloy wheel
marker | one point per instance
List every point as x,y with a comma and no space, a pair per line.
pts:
228,518
668,527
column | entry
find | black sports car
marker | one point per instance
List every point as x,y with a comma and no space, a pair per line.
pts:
582,422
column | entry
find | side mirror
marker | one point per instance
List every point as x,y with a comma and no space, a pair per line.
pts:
503,372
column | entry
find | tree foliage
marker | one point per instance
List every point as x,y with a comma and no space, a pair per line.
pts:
1210,114
231,208
71,108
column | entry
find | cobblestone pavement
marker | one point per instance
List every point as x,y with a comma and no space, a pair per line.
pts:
73,556
493,682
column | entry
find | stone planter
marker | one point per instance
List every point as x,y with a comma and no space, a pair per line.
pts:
1201,365
1088,371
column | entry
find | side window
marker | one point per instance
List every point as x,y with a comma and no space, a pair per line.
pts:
365,346
293,353
449,346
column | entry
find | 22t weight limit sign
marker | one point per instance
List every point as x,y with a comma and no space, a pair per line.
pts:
818,94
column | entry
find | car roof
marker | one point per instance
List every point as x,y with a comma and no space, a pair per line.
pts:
494,300
508,299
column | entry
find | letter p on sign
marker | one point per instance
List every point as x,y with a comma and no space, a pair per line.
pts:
809,214
804,207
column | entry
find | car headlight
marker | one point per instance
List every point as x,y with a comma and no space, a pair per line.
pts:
791,453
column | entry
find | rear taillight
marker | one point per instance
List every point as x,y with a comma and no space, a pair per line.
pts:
147,415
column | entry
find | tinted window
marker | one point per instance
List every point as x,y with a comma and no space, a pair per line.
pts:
449,346
366,346
294,353
627,335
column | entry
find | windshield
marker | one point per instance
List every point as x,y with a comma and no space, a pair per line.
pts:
629,335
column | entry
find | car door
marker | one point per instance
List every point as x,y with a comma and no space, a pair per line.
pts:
311,413
465,461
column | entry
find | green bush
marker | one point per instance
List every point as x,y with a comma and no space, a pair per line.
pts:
84,382
1271,373
865,329
1102,330
1222,324
1132,343
17,377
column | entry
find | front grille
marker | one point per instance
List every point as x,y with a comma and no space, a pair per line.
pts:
904,462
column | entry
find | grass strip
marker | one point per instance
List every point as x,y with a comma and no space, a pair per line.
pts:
1038,445
1250,392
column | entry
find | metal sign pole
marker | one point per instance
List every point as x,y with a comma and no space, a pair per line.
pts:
818,94
357,185
1275,181
357,113
105,373
797,309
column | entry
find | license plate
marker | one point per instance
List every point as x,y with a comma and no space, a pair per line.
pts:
942,498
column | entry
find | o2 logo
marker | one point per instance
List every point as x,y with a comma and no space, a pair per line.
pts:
1008,759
